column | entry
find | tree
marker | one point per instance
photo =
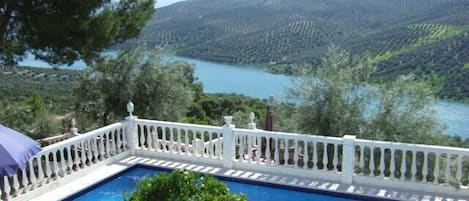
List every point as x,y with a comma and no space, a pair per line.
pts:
30,116
332,99
159,90
339,99
183,185
61,32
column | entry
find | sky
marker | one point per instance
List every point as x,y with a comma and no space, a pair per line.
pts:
162,3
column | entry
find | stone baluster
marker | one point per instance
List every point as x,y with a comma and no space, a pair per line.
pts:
69,159
165,139
258,149
362,160
240,141
24,179
186,142
155,140
125,145
459,168
1,192
436,171
448,168
413,170
152,132
32,175
171,142
392,165
179,142
83,154
40,173
6,187
305,155
119,143
89,151
324,157
372,161
55,165
267,151
403,164
63,166
381,163
94,142
48,168
249,148
425,167
102,149
76,159
16,185
219,146
335,161
113,142
142,136
297,153
315,156
108,145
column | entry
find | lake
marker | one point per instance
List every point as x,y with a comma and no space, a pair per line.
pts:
254,81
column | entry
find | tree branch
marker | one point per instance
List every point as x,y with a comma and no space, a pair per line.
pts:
4,26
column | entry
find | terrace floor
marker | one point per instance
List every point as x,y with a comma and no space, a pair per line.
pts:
62,191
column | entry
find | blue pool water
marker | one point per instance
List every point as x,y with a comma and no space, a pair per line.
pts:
112,190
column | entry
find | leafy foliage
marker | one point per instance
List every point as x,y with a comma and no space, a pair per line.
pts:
210,109
338,99
183,185
160,91
18,84
30,116
61,32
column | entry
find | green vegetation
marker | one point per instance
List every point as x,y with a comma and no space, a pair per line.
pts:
160,91
183,185
30,116
55,86
337,99
61,32
424,37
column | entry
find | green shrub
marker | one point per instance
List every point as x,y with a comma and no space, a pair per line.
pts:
182,186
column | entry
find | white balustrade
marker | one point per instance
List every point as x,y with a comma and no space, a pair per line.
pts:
346,159
178,139
52,163
417,163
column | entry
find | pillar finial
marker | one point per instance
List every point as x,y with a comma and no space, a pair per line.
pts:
130,108
228,120
73,128
252,117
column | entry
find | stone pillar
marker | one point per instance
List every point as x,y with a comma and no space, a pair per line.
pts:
348,159
131,129
228,142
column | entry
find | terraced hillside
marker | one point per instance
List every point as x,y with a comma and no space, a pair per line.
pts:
285,32
18,83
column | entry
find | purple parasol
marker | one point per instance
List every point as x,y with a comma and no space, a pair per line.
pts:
15,150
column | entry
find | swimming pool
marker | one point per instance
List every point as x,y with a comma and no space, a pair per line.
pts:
112,189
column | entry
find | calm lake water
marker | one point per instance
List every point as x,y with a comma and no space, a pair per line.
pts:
254,81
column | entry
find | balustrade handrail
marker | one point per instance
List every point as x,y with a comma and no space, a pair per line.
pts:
182,125
80,138
291,135
408,146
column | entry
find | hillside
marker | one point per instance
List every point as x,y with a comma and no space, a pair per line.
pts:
17,84
423,36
